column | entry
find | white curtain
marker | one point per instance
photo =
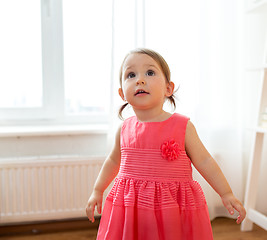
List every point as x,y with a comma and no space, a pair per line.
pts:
200,40
219,108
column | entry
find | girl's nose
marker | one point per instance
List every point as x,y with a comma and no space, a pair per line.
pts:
140,81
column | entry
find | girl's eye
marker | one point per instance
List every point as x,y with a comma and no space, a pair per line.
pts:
150,73
131,75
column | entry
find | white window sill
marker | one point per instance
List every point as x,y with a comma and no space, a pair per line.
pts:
52,130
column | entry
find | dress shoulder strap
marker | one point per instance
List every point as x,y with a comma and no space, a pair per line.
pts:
180,123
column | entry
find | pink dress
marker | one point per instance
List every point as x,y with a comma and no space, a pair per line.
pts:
154,196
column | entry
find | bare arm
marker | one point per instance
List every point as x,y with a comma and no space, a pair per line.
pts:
209,169
110,167
107,173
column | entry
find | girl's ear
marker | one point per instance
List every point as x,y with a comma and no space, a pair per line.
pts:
121,94
170,89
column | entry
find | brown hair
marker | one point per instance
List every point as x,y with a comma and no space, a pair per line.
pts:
160,61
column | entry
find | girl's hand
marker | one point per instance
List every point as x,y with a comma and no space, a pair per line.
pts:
95,199
231,202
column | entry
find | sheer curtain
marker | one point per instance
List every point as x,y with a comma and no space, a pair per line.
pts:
200,42
219,108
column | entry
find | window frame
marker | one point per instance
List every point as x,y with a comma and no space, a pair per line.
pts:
53,107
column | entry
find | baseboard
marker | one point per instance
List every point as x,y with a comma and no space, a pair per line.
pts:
48,226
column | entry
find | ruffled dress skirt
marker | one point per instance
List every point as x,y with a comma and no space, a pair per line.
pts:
154,200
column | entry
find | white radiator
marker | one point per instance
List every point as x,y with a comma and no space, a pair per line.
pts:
35,189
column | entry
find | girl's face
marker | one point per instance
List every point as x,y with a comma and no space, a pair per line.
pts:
144,84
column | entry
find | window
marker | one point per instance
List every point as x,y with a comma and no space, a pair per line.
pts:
20,58
57,60
87,27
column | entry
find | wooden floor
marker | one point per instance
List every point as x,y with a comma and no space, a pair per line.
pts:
223,229
227,229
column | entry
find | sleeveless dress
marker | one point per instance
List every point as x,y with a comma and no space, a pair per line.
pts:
154,196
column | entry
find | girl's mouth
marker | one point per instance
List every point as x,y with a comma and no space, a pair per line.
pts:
140,91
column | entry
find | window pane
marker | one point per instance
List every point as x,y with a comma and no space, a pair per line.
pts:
87,29
20,54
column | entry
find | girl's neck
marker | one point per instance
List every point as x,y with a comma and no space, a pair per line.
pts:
152,115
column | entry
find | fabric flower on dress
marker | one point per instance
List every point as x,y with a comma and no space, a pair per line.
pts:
170,150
